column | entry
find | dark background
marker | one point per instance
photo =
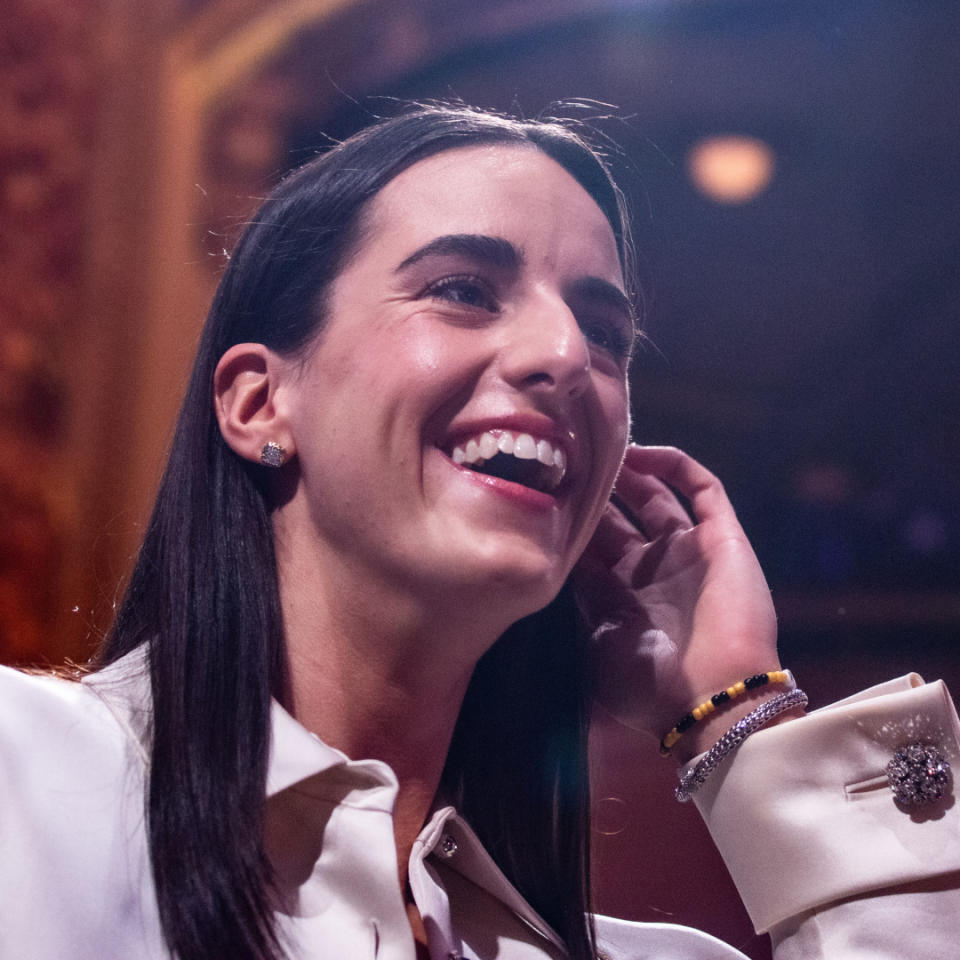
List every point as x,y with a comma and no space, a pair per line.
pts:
804,344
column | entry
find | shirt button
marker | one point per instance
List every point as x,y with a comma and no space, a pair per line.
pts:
448,847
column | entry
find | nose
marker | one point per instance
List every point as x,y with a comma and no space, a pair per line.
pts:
546,349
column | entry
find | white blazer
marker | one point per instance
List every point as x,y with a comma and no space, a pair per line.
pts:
823,857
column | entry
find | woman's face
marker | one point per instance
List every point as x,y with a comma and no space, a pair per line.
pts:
461,418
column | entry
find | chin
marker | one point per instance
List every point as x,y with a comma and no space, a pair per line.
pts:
501,573
521,584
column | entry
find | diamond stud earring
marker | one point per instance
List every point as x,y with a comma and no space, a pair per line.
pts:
273,455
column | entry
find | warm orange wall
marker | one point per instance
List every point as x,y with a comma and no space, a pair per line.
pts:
49,98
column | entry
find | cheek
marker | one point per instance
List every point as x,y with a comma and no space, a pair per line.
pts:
611,431
423,346
442,365
426,362
425,353
615,406
433,344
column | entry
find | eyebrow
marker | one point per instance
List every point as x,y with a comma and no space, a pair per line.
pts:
494,251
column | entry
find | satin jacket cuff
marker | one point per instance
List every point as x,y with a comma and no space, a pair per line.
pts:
802,813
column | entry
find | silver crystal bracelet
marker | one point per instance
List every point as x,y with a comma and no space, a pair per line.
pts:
756,720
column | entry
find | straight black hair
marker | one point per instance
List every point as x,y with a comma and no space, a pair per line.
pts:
203,594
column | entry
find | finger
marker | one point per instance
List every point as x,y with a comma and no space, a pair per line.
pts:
600,594
614,536
708,500
651,504
591,580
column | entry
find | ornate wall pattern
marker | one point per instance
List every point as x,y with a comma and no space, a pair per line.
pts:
48,102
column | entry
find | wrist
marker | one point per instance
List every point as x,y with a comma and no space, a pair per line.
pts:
694,775
699,729
706,733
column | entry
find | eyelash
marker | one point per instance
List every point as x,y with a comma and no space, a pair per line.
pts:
441,288
611,337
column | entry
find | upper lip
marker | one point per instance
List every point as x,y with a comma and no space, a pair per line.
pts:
538,425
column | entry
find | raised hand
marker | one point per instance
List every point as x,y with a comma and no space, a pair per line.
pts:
677,601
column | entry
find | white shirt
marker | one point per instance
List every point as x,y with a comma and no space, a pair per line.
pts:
798,815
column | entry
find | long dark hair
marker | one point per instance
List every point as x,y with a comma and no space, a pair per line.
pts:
203,595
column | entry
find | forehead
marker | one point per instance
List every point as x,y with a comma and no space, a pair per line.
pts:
511,191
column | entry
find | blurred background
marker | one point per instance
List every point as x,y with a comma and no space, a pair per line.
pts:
794,175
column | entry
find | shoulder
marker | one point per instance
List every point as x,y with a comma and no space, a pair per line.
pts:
630,940
70,778
56,732
35,690
72,825
38,707
44,710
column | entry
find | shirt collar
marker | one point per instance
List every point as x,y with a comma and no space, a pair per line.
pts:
298,756
295,753
450,840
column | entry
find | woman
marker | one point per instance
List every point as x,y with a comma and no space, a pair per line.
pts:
407,414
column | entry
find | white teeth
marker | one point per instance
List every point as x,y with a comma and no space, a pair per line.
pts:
525,447
488,445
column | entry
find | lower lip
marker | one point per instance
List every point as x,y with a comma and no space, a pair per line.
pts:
514,492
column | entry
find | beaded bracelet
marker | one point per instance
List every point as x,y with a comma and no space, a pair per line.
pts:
724,696
693,779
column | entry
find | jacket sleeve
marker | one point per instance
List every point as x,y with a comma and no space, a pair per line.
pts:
823,856
75,879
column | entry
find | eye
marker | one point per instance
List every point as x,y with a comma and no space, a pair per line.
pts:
612,335
465,290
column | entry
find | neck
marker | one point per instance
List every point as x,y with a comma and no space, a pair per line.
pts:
376,703
378,677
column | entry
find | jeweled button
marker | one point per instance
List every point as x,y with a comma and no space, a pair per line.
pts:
448,847
918,774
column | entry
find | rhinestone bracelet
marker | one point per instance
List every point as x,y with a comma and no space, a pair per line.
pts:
693,779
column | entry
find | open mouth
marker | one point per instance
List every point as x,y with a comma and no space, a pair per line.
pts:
518,457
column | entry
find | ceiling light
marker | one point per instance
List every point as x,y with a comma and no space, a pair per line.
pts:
730,169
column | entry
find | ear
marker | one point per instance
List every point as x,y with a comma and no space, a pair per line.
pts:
245,400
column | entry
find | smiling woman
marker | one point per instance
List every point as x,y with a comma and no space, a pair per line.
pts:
361,582
349,683
449,336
